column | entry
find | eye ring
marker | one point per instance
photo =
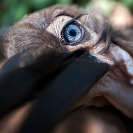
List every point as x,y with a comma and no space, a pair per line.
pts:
72,33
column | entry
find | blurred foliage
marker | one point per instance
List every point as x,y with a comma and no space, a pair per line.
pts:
128,3
13,10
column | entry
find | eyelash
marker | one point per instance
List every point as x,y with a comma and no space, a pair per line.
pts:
85,34
89,35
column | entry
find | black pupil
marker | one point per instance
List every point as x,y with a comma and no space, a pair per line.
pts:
72,32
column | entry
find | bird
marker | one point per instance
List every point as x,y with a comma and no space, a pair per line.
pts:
67,29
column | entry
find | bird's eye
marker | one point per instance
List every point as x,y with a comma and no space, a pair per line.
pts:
72,33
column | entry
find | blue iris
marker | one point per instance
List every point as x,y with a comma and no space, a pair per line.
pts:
72,33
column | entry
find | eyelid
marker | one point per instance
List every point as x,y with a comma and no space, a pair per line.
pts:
89,37
63,14
57,25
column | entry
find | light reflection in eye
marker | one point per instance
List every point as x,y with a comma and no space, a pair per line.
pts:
72,32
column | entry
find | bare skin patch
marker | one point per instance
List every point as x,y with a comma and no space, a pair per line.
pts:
115,86
124,60
57,26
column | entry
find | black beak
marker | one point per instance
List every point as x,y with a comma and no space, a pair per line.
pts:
66,78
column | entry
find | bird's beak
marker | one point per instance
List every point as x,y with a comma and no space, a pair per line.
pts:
65,83
77,78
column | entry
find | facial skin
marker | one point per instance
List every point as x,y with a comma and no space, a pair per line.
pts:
115,88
